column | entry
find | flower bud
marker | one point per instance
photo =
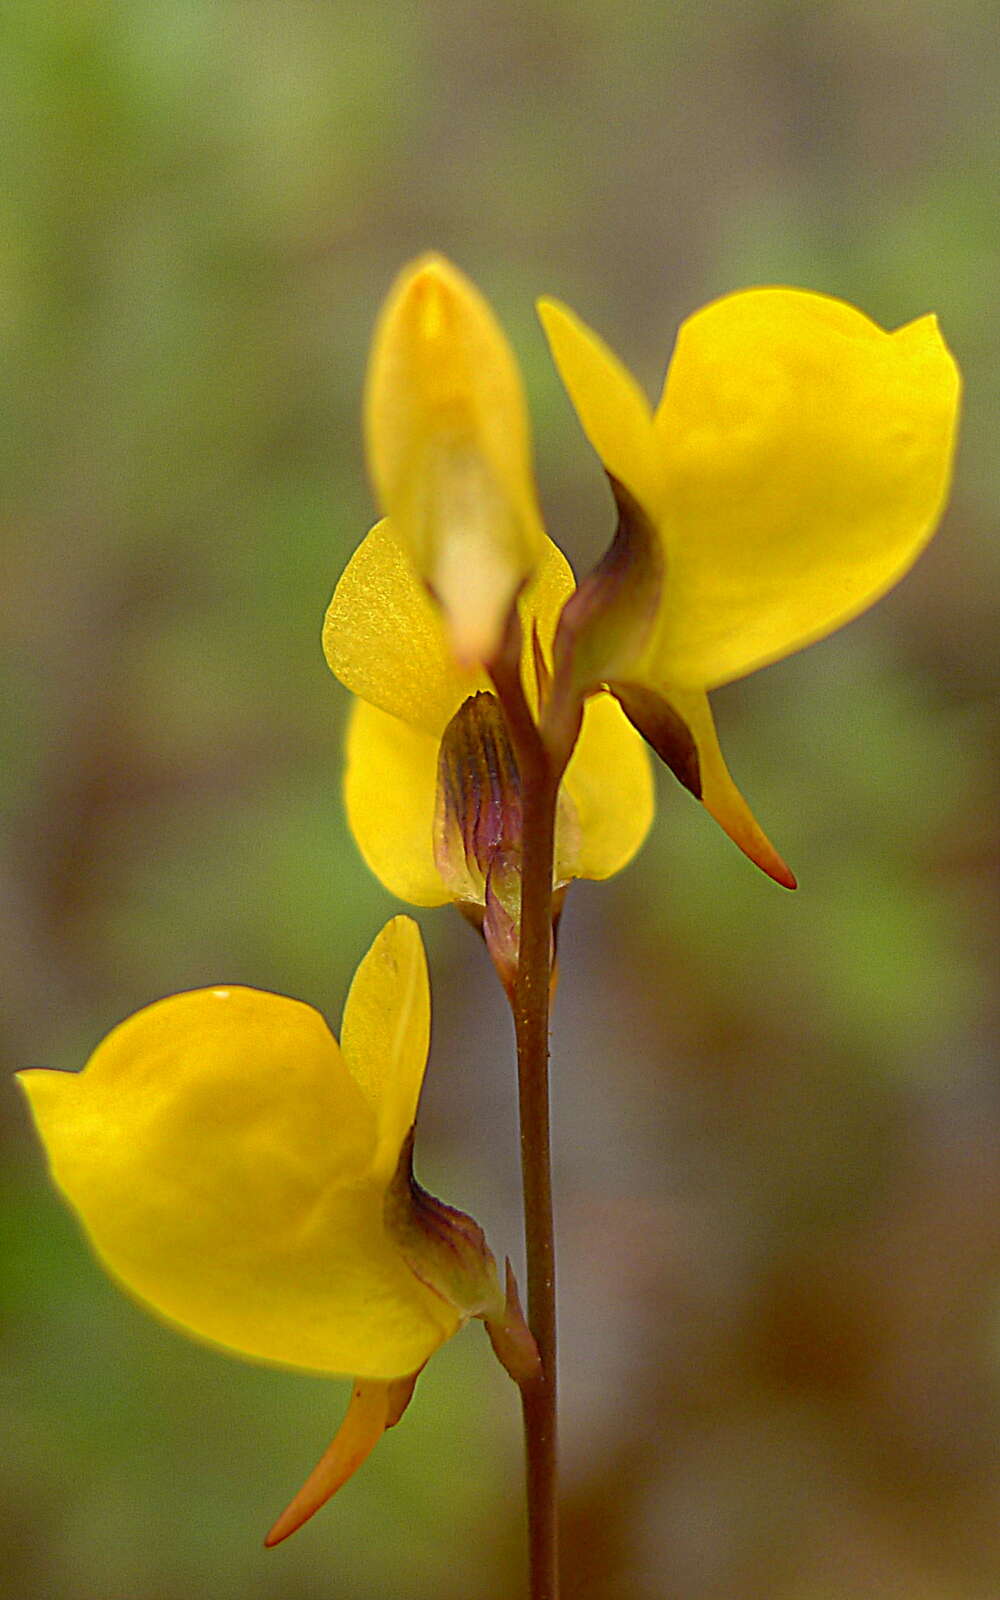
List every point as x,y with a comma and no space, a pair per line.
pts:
448,450
479,814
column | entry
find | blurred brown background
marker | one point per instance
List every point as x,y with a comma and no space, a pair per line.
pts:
778,1120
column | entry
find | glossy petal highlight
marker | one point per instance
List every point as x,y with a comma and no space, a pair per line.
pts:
220,1157
385,640
806,456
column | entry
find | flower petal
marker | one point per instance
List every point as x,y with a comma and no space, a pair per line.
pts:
719,794
611,786
386,642
613,411
219,1155
390,791
385,1034
447,434
365,1421
807,455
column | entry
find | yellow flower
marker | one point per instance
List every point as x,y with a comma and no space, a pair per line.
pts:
448,450
796,465
248,1179
386,642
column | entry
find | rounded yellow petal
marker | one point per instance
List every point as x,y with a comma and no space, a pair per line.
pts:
219,1155
806,455
610,784
390,791
385,1034
447,434
386,642
613,411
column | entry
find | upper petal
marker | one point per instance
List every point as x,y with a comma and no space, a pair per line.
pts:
613,411
386,641
807,454
385,1034
220,1157
611,786
447,433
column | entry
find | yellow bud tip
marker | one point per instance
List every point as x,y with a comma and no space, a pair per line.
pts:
429,294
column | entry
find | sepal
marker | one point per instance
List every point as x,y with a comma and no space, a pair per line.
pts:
512,1340
479,810
607,622
479,826
501,926
663,729
443,1247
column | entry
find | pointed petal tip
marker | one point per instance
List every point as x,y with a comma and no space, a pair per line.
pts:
759,849
547,306
429,285
363,1426
400,932
429,271
47,1091
430,262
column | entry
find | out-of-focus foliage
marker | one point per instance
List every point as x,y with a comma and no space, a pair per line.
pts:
778,1125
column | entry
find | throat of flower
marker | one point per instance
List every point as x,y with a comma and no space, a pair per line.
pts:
467,537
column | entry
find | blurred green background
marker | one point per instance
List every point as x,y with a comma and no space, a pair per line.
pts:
778,1122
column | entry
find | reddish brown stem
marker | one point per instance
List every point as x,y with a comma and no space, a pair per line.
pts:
540,777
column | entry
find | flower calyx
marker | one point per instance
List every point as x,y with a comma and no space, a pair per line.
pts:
447,1250
479,826
442,1246
480,819
664,730
607,621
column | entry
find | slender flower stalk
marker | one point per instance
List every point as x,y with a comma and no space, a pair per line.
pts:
540,778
